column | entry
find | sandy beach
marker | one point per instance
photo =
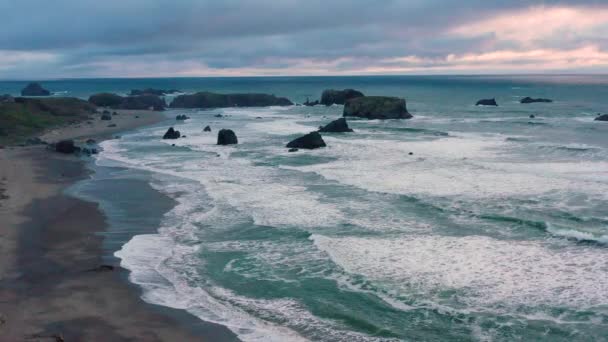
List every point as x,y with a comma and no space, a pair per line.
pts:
51,287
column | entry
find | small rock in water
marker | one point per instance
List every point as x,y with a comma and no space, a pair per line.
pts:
218,115
207,129
532,116
309,141
603,117
293,150
171,134
487,102
411,153
182,117
226,137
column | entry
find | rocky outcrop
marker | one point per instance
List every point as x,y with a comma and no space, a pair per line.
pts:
182,117
532,100
226,137
603,117
34,89
106,100
66,146
487,102
336,126
309,141
207,129
332,96
152,91
377,107
212,100
310,104
141,102
171,134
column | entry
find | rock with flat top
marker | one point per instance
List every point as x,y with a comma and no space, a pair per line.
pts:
332,96
309,141
377,107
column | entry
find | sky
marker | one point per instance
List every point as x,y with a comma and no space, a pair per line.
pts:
44,39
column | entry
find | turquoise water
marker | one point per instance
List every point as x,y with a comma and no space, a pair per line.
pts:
495,228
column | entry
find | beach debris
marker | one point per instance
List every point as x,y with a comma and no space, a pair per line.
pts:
226,137
207,129
487,102
34,89
332,96
336,126
309,141
377,107
533,100
171,134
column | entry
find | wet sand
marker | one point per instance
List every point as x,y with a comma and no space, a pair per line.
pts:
50,286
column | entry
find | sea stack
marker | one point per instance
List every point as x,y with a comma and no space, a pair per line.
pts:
171,134
34,89
226,137
309,141
336,126
377,107
332,96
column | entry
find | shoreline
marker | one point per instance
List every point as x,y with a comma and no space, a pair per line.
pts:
51,287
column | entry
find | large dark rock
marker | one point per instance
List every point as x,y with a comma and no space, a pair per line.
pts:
212,100
532,100
66,146
143,102
106,100
336,126
226,137
377,107
487,102
152,91
34,89
171,134
309,141
331,96
603,117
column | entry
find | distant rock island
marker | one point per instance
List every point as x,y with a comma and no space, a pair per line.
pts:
332,96
487,102
34,89
377,107
140,102
213,100
532,100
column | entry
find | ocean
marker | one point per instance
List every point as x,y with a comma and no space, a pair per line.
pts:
495,228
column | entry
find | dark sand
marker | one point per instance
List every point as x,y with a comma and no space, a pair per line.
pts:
50,241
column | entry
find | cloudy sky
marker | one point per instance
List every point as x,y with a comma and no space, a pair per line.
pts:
147,38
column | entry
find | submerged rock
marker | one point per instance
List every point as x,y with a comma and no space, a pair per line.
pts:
336,126
213,100
603,117
487,102
207,129
309,141
171,134
331,96
532,100
377,107
293,150
34,89
226,137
